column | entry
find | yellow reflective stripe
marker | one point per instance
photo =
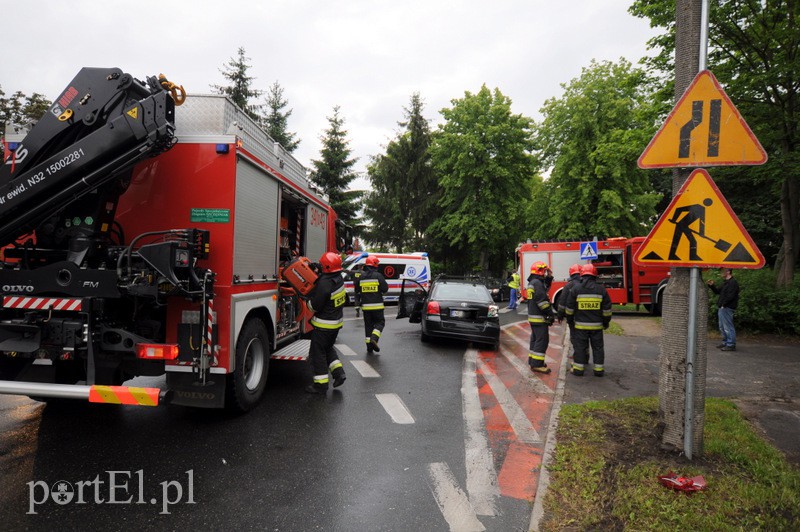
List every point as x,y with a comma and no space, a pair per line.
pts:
577,366
321,379
372,306
587,326
335,365
536,356
327,324
535,319
376,332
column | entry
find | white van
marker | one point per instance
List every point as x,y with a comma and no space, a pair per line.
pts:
394,266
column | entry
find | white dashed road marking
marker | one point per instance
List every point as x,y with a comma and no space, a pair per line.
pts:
452,501
395,407
365,369
516,416
345,350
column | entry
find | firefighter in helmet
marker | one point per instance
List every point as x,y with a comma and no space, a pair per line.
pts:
588,306
540,317
574,280
327,301
369,289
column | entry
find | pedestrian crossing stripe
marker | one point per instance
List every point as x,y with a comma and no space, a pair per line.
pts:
699,228
589,250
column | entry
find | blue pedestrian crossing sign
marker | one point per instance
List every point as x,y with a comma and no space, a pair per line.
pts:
588,250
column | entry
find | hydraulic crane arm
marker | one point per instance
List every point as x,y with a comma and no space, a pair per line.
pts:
103,123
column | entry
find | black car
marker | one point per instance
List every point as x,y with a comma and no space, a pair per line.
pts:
455,308
498,288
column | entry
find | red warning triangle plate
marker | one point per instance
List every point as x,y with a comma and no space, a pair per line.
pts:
704,129
699,228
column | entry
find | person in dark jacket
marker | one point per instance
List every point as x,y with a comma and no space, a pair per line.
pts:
574,280
589,307
727,302
327,302
369,289
540,317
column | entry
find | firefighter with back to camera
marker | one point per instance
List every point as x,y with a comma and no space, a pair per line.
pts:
327,301
369,289
540,317
574,280
588,306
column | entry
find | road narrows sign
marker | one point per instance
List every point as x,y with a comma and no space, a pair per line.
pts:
703,129
699,228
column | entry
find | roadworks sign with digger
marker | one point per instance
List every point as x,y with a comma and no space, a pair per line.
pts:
699,228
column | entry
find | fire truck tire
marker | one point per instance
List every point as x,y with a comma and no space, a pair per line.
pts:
247,382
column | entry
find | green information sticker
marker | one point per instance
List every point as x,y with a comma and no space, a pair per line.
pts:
214,216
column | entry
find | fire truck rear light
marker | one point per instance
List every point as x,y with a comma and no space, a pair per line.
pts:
157,351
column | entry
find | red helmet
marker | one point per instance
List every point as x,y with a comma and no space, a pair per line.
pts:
372,260
588,269
575,268
539,268
331,262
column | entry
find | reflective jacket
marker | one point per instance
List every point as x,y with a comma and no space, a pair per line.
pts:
327,301
370,287
514,282
540,311
589,305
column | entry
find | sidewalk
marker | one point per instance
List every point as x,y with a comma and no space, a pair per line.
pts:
762,377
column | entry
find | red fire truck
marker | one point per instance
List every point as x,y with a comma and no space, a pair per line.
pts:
626,281
142,237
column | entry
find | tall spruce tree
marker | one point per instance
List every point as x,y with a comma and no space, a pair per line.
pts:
333,172
402,203
240,89
276,120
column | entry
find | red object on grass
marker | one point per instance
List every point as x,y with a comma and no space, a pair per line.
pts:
685,484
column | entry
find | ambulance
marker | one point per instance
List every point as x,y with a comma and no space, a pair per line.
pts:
394,266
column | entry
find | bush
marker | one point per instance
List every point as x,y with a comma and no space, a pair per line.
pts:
763,307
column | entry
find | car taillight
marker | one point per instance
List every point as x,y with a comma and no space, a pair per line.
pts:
157,351
433,307
492,312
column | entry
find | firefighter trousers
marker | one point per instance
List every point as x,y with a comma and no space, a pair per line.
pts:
540,339
374,322
585,337
322,355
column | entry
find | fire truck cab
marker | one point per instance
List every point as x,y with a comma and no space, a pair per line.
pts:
626,281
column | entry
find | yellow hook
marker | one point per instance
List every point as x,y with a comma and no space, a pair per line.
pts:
177,91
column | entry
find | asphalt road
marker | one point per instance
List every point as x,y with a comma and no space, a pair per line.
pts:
296,462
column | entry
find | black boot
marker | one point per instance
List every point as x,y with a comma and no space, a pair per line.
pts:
374,343
319,389
338,377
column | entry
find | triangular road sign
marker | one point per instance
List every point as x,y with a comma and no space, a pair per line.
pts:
704,129
699,228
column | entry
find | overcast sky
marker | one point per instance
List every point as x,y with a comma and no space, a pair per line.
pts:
367,56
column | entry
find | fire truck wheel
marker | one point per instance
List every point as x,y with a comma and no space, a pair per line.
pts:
247,382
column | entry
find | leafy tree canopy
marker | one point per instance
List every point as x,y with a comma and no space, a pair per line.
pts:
482,156
590,138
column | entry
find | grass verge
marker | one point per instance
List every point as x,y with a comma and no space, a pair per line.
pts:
608,457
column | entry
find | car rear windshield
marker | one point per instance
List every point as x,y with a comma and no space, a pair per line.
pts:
461,292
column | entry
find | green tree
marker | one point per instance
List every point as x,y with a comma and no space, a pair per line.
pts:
402,203
276,120
482,156
754,51
333,172
21,109
590,138
240,84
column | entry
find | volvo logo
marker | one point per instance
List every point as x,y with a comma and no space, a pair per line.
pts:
16,288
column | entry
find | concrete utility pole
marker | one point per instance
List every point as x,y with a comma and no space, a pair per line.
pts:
675,361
